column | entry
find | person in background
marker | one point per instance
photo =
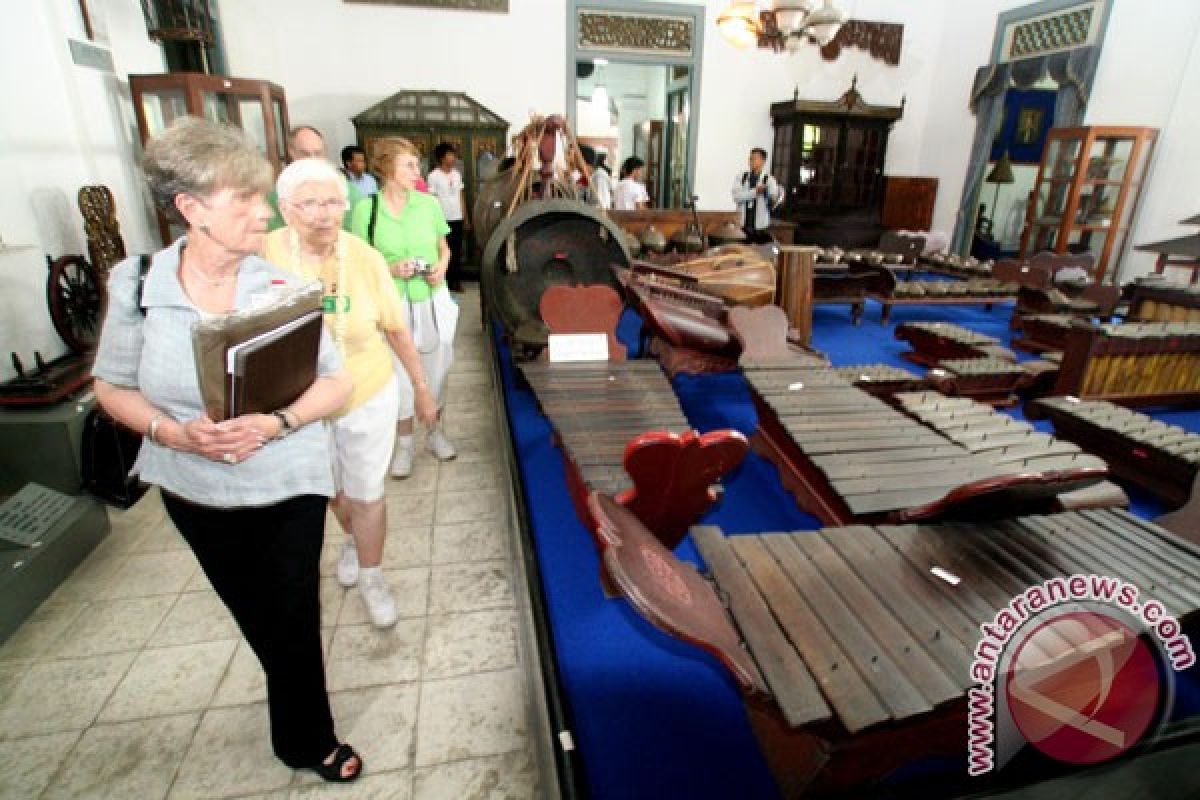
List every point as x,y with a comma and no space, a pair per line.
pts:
408,228
630,193
247,494
446,184
367,321
756,193
305,141
602,183
354,167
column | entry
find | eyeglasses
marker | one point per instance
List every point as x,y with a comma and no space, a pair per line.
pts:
310,206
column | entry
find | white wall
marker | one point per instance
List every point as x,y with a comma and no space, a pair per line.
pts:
1149,74
64,127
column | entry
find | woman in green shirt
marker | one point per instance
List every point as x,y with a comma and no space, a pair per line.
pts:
407,226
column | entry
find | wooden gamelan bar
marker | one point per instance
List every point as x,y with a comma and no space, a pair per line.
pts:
622,432
852,646
849,457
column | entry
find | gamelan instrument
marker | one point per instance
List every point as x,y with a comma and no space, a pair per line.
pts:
852,647
623,432
1161,458
1155,298
882,380
989,380
535,231
1135,364
934,342
850,457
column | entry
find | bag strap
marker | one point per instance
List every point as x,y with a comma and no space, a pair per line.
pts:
143,270
374,217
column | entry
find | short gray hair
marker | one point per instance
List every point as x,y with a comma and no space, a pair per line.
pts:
308,170
197,157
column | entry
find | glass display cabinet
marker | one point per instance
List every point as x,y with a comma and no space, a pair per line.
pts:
1086,193
257,107
829,156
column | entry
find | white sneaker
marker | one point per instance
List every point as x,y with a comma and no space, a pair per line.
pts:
402,458
381,608
439,445
347,566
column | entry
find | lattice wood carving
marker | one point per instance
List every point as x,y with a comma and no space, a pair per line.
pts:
635,32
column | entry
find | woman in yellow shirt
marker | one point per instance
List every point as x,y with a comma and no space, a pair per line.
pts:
364,315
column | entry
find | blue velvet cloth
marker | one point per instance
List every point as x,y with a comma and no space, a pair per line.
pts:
653,717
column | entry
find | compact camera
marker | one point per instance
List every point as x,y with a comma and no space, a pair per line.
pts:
422,267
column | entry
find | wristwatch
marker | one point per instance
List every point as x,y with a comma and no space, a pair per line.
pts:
285,427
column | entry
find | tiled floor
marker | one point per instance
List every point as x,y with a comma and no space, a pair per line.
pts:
132,682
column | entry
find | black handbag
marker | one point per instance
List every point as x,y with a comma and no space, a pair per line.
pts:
108,449
108,452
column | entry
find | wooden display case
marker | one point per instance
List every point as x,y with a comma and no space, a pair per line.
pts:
1086,193
257,107
830,156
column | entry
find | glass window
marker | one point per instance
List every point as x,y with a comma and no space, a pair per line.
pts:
161,108
254,122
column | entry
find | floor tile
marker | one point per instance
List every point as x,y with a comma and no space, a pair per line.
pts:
459,426
362,655
170,680
89,580
411,510
243,682
332,597
28,765
476,715
161,537
198,583
470,587
460,644
62,695
372,786
379,722
195,617
470,541
512,776
410,588
42,631
112,626
485,447
11,673
407,547
471,476
479,382
126,760
469,506
231,756
421,481
145,574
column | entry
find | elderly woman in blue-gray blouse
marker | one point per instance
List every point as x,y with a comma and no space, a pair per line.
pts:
248,494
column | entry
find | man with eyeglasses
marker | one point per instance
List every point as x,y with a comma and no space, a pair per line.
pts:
305,141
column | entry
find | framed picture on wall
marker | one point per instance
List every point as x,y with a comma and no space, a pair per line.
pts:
1029,125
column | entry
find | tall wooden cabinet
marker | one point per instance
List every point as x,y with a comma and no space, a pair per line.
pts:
1087,191
257,107
829,156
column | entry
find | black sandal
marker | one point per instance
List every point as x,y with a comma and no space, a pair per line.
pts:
333,772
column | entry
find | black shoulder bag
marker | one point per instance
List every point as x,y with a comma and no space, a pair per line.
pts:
108,448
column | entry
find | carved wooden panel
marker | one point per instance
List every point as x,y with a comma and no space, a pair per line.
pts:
495,6
610,30
882,40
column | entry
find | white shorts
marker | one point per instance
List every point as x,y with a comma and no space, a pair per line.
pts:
362,445
436,358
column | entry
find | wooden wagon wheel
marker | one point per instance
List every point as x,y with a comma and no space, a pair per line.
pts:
74,296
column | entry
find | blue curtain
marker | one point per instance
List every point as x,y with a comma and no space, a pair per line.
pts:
1072,70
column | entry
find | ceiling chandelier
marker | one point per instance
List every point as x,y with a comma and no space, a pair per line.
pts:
783,24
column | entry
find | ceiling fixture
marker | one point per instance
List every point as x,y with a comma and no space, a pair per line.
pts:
784,24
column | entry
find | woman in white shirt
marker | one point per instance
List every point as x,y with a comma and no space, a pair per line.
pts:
630,193
447,186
